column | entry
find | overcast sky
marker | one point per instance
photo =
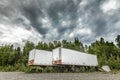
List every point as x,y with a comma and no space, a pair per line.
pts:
48,20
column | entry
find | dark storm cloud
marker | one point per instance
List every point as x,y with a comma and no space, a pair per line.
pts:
59,19
33,13
68,12
98,25
96,20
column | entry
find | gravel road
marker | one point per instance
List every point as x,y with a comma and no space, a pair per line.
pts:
58,76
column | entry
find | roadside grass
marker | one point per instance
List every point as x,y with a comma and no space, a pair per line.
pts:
26,69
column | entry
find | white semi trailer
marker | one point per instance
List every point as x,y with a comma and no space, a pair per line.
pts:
63,56
40,57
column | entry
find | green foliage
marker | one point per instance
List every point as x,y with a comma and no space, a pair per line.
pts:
34,69
107,53
15,59
48,69
118,40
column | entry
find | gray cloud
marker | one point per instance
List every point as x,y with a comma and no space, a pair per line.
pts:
94,17
60,19
33,13
59,11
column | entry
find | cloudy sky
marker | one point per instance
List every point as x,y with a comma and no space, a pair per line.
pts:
48,20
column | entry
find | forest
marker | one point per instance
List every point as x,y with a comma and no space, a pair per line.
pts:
15,59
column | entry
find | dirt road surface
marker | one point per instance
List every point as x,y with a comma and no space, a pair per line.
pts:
58,76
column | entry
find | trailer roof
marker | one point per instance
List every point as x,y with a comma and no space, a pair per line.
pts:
74,50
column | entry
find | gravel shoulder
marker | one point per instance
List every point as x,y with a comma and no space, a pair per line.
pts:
58,76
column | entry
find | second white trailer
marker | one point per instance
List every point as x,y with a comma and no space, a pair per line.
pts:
63,56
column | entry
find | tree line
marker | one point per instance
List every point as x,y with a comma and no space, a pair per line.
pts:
108,53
